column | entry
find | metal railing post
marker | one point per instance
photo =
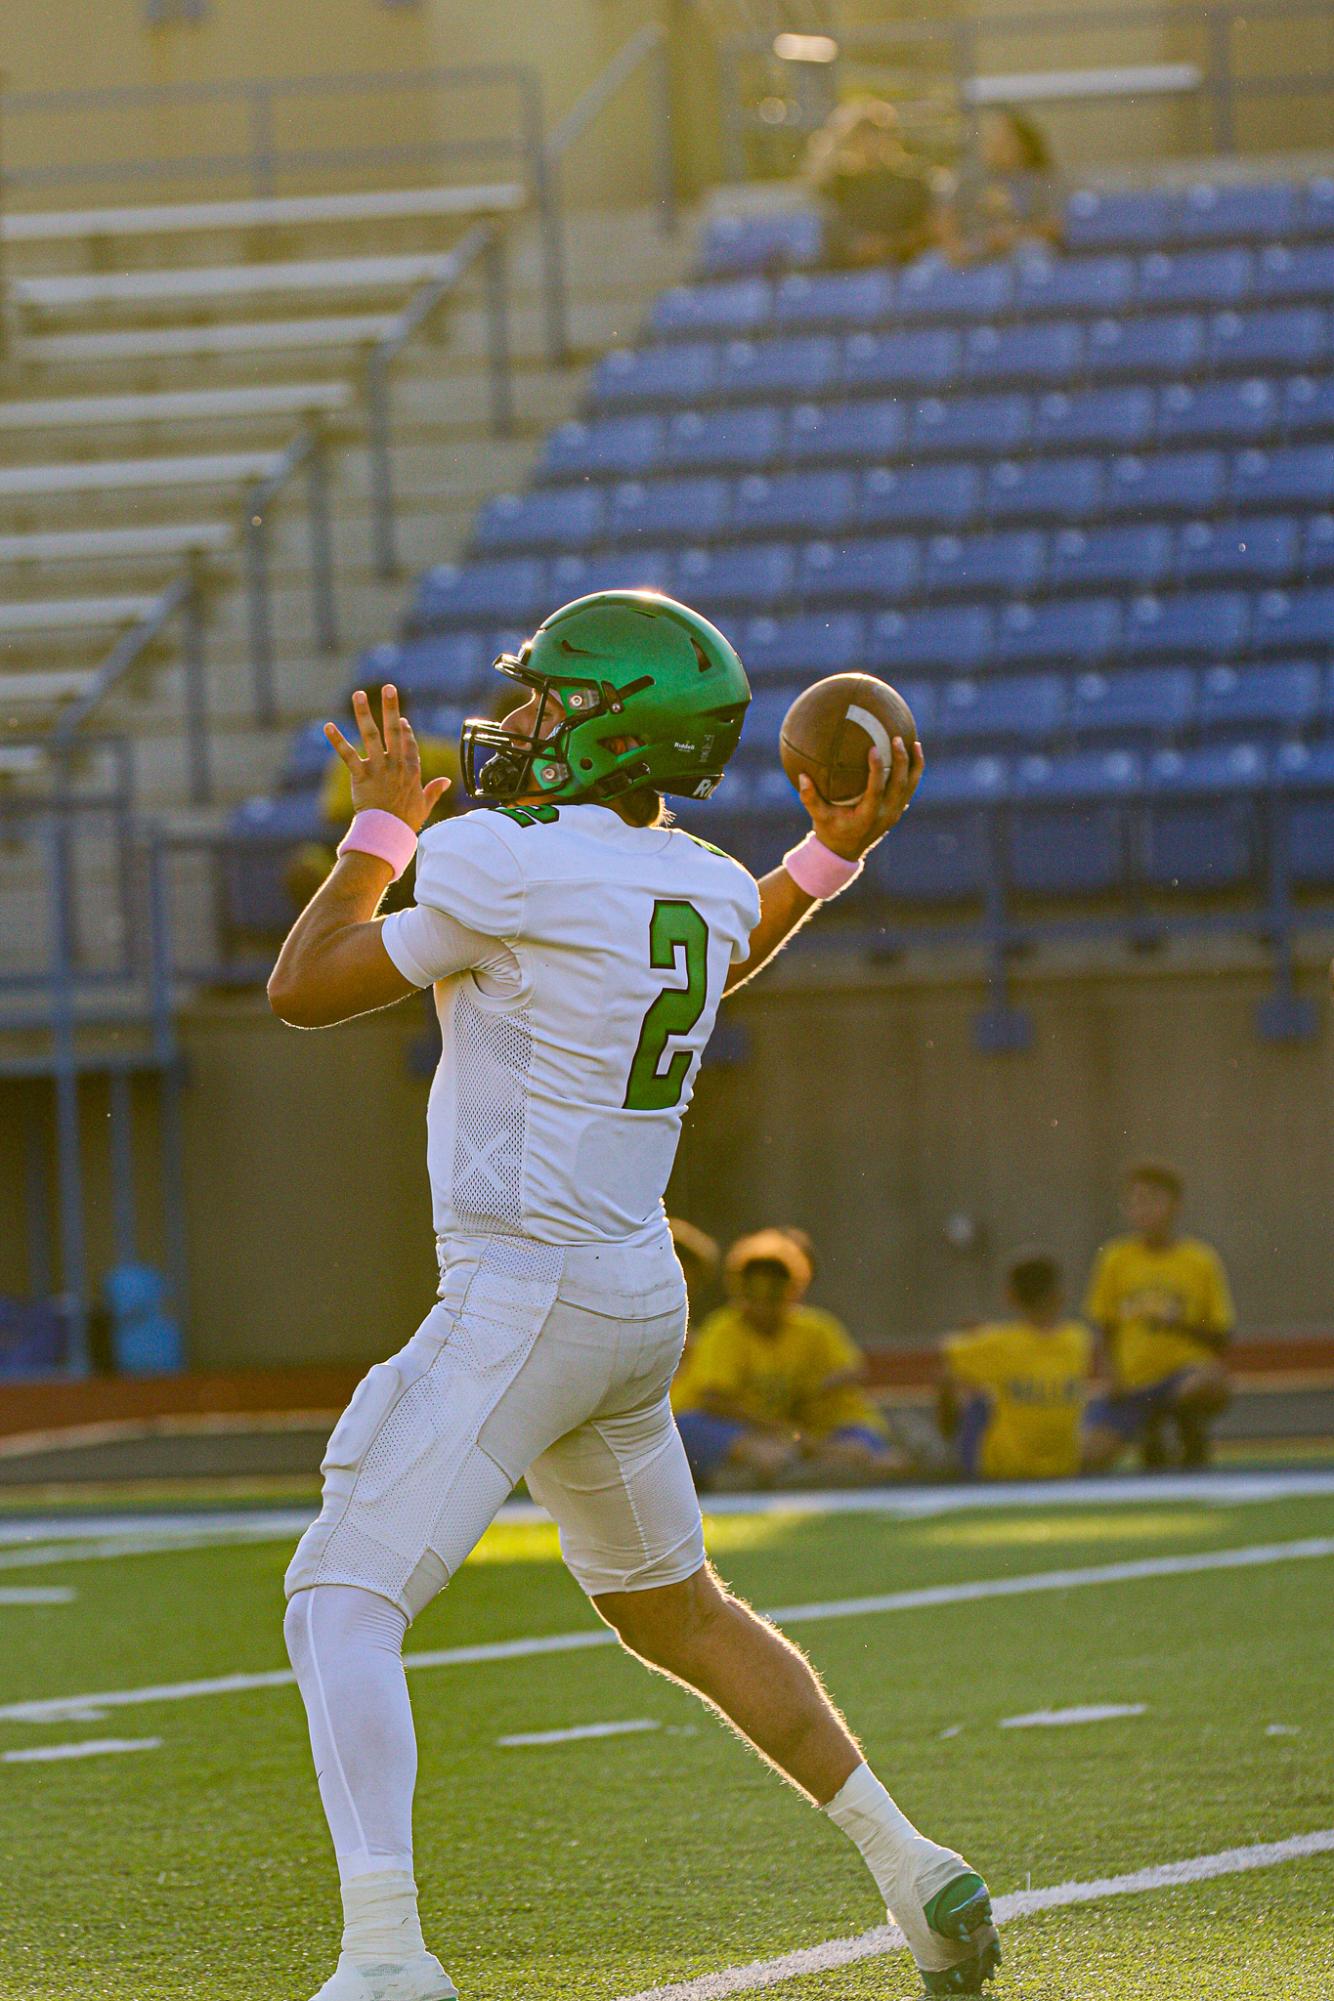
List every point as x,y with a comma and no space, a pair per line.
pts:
500,369
378,441
664,148
73,1243
258,614
122,1166
262,154
550,223
171,1075
321,538
196,694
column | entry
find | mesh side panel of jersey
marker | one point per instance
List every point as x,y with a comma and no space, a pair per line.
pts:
493,1054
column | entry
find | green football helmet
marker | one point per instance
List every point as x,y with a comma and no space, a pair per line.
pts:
621,665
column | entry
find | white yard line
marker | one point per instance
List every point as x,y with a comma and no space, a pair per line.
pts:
37,1594
30,1539
91,1747
1247,1556
888,1938
1089,1712
578,1734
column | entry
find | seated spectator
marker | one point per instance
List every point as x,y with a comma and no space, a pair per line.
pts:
771,1390
1012,1392
1008,195
1163,1308
876,193
313,860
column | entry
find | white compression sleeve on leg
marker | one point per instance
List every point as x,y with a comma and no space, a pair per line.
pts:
887,1838
346,1646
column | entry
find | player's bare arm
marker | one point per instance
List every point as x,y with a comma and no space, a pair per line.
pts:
333,964
850,830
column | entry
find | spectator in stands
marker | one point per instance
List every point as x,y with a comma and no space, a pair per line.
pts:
313,860
1008,195
1012,1391
772,1388
1162,1305
876,192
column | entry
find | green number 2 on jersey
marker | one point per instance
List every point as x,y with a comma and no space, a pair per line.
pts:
673,927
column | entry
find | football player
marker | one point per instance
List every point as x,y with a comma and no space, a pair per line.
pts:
578,946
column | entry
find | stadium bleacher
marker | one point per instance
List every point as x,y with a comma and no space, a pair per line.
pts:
1080,507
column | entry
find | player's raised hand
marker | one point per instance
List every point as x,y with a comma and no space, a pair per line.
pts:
851,829
389,775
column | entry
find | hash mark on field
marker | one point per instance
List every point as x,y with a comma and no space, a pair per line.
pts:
37,1594
1247,1556
92,1747
1023,1903
577,1733
1089,1712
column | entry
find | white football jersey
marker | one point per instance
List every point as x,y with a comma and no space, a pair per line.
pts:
578,963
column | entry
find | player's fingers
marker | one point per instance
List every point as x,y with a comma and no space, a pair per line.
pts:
435,790
350,757
365,721
393,722
411,755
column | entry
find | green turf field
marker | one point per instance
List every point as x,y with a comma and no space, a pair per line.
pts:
597,1869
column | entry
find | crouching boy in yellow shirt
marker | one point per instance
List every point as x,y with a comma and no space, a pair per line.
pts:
1012,1392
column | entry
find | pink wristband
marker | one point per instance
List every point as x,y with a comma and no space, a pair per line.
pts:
374,832
818,870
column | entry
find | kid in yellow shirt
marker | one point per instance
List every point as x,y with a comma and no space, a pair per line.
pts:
1012,1398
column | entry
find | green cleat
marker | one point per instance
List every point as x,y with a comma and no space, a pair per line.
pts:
961,1913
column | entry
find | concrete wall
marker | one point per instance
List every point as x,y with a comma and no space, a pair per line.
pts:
864,1114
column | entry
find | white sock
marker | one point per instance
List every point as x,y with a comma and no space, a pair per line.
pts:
380,1922
892,1848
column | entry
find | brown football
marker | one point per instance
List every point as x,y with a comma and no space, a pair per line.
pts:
830,728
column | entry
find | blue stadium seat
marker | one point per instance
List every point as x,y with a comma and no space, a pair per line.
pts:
740,243
1318,547
1140,703
1160,344
1115,419
1171,483
557,517
800,365
1068,831
1044,489
935,290
1236,213
880,570
1295,476
834,299
1033,352
804,647
262,834
1275,337
1262,548
937,857
612,445
810,502
970,423
743,438
670,509
1195,277
752,575
1202,829
1308,406
938,496
1295,271
1307,779
1297,621
1318,207
1137,556
1064,629
673,372
956,638
608,570
1189,623
736,308
477,593
914,358
1074,284
869,429
1024,710
1136,218
1233,412
1006,562
450,666
1283,698
307,760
